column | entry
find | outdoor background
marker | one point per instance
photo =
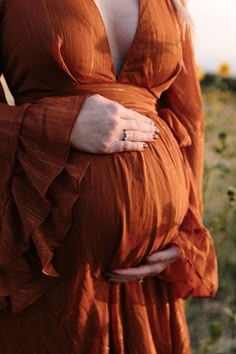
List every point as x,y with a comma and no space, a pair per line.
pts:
212,323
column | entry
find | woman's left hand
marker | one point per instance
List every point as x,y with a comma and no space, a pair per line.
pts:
155,264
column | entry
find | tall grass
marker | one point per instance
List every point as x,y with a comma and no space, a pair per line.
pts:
212,323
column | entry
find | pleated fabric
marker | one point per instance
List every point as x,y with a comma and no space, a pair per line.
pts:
67,217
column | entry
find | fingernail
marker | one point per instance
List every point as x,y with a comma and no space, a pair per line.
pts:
157,130
151,122
145,146
155,136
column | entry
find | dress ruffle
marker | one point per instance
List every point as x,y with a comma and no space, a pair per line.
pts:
36,216
192,272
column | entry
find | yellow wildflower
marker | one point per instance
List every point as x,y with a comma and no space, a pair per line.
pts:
224,70
200,74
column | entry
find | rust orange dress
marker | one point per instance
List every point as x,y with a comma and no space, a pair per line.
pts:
66,217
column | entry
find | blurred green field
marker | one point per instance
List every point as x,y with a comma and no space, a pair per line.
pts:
212,323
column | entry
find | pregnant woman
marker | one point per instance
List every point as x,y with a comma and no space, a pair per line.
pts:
101,174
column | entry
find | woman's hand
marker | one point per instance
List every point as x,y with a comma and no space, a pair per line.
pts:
155,264
103,124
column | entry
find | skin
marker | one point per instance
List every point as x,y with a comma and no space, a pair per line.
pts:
104,121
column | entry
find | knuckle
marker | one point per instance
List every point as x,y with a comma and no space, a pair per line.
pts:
112,108
137,125
114,122
126,146
159,268
104,147
116,147
132,136
141,126
152,259
136,146
149,269
149,128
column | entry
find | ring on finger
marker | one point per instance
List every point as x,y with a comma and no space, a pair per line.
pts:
126,135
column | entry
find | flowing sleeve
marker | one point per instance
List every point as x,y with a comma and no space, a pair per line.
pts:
34,214
196,270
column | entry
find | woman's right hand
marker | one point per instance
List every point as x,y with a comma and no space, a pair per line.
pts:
100,127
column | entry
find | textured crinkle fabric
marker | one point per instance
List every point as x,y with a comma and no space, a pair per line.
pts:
67,217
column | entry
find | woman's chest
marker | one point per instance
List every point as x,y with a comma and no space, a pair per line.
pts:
120,21
74,40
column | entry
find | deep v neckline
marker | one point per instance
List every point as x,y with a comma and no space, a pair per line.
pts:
133,42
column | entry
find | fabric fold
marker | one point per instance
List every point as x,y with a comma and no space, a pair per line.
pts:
179,131
192,272
35,215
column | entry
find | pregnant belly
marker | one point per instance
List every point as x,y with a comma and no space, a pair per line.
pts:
131,204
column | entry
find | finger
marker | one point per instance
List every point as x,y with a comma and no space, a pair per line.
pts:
138,125
120,146
130,114
142,271
112,277
138,136
113,274
115,280
120,277
121,281
169,255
